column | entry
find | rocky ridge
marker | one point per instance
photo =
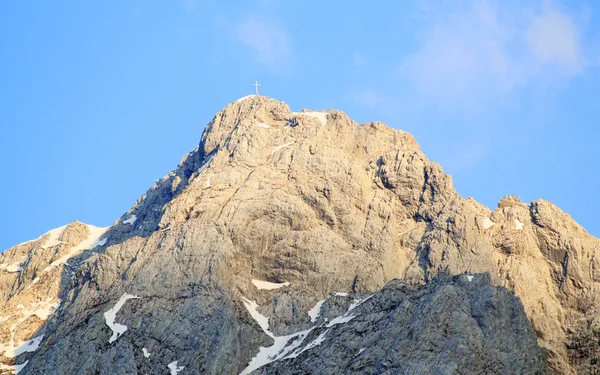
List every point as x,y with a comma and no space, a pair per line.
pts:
309,198
459,325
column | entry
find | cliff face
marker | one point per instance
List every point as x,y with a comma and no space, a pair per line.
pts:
450,326
280,209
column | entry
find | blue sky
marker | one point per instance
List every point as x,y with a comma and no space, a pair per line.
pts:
100,99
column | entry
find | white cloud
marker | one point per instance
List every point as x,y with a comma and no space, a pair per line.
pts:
484,52
269,43
553,39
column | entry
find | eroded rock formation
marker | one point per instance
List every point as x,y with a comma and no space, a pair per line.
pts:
312,199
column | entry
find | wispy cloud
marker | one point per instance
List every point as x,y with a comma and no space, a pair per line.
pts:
268,42
484,52
553,39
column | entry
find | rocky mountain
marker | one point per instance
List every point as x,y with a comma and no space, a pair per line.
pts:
450,326
278,246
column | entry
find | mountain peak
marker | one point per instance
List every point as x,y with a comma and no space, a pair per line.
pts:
316,208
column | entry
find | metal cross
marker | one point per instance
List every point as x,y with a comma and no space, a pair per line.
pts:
256,85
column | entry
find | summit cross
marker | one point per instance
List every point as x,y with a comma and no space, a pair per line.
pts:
256,85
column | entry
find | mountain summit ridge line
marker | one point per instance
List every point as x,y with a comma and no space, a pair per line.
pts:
307,198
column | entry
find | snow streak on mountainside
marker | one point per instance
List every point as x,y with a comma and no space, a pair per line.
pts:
237,256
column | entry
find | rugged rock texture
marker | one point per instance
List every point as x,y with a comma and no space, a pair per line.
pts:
309,198
34,277
450,326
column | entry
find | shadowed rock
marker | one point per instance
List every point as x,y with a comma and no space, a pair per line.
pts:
314,200
449,326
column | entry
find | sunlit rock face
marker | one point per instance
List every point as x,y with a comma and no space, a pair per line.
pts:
274,212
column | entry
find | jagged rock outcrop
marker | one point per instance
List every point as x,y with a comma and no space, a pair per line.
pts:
34,277
450,326
311,199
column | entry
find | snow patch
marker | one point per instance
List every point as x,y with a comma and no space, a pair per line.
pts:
281,147
174,368
24,243
312,344
27,346
244,98
340,320
341,294
262,320
43,309
263,125
266,285
166,177
518,224
92,241
285,347
280,349
487,223
315,311
15,267
53,237
317,341
205,164
109,317
131,220
358,302
146,352
470,277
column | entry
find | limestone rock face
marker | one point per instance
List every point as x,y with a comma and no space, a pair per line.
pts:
450,326
309,203
34,278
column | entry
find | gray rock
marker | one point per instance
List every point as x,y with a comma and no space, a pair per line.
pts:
315,200
449,326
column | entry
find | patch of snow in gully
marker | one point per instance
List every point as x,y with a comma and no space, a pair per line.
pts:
109,317
266,285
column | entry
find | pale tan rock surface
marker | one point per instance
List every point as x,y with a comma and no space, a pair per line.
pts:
328,207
